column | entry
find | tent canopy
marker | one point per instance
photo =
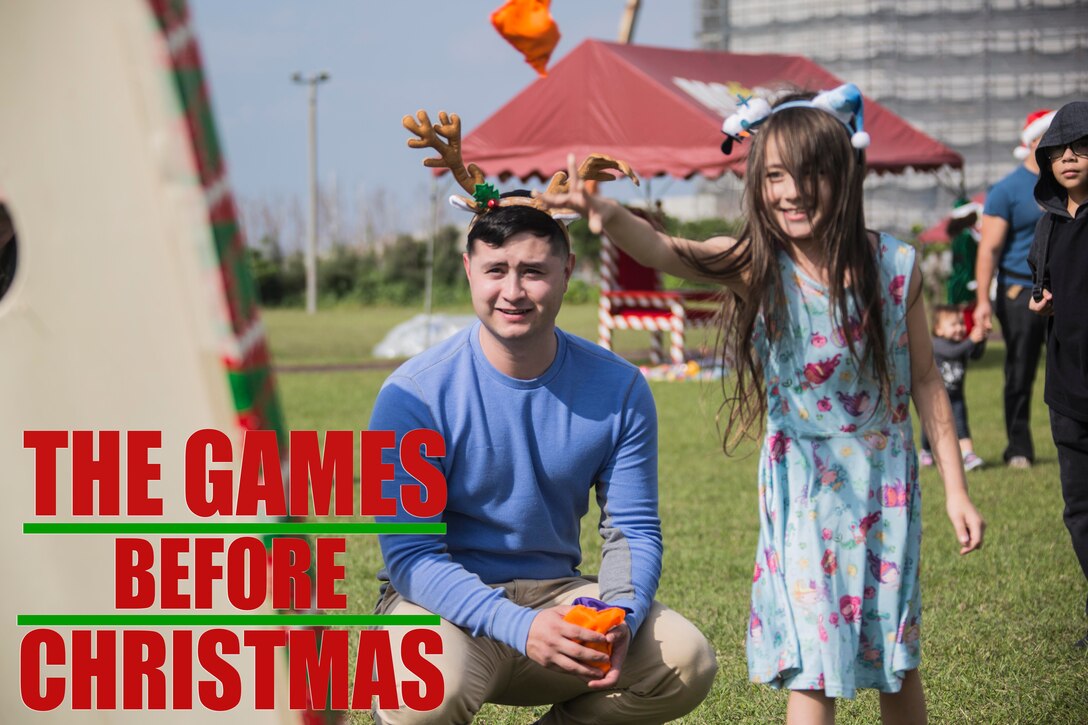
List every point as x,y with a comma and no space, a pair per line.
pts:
661,110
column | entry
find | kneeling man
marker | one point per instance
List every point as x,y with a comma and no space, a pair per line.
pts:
535,420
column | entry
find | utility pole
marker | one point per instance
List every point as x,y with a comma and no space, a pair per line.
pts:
428,273
311,241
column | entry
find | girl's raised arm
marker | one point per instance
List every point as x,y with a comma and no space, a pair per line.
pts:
935,412
638,237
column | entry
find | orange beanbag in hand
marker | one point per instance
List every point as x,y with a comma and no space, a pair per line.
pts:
598,616
528,26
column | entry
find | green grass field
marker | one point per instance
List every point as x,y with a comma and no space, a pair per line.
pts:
998,625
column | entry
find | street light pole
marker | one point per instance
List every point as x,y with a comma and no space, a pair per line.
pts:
428,271
311,241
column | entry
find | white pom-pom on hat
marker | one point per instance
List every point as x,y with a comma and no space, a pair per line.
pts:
861,140
1021,152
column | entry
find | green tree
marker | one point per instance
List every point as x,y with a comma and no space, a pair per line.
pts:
338,273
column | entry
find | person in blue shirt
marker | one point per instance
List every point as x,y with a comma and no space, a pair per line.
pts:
535,421
1009,217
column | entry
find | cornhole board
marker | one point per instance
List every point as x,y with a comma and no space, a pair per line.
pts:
131,308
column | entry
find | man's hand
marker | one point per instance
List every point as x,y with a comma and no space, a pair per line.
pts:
978,334
554,644
620,638
984,316
1045,306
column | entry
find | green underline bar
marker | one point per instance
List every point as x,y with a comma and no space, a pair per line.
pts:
200,528
226,620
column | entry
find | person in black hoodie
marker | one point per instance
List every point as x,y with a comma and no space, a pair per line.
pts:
1009,218
1059,262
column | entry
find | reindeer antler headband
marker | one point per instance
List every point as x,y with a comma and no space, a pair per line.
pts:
844,103
483,196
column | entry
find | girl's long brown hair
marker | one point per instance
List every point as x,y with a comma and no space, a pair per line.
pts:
813,146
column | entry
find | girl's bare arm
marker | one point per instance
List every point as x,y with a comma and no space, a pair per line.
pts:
935,412
638,238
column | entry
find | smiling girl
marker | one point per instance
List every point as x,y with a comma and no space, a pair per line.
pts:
824,326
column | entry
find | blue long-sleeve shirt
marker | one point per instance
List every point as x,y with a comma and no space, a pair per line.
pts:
522,457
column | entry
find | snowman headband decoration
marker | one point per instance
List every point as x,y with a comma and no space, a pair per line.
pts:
844,103
484,197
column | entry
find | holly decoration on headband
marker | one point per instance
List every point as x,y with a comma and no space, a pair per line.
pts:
486,196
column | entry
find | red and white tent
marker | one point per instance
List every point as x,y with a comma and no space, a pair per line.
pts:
661,110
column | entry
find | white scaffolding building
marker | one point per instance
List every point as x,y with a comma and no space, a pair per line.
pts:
966,72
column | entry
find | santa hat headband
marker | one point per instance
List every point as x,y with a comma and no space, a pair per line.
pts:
844,103
965,208
1035,126
445,138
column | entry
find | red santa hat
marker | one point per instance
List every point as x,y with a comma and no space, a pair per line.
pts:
1034,127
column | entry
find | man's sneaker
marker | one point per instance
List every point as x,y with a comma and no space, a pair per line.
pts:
971,461
1082,643
1019,462
925,458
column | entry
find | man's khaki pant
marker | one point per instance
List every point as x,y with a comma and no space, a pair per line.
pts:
668,671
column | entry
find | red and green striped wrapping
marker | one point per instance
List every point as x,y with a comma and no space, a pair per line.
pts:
245,348
245,357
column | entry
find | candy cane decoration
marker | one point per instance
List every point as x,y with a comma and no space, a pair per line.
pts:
675,322
652,310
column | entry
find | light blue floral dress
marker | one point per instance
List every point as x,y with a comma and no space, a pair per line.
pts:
835,598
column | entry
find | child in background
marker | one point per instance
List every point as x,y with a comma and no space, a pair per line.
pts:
963,229
952,347
1059,262
829,341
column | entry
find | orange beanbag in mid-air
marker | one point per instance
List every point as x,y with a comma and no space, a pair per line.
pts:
528,26
598,616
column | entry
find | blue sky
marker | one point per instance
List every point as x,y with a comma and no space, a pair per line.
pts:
386,59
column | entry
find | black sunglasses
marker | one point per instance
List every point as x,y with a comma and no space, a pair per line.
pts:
1078,147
